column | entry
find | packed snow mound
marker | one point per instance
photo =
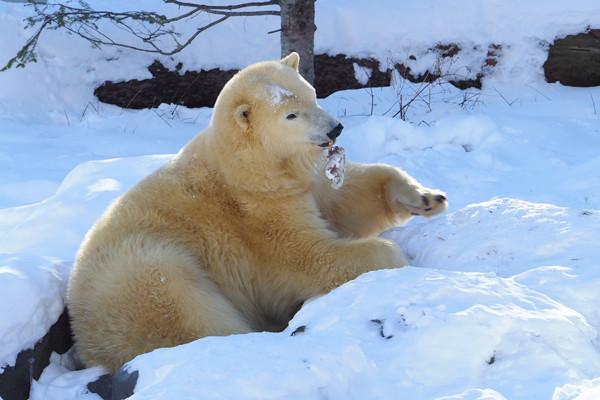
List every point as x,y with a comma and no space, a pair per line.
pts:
545,234
80,200
32,300
415,331
587,390
541,245
62,381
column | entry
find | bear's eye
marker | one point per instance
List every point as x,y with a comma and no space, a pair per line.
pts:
291,116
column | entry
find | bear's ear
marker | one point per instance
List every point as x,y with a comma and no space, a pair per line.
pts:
242,116
292,60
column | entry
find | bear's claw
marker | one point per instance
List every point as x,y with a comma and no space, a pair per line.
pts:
431,204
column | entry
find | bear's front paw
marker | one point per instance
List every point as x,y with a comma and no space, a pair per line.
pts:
432,202
414,200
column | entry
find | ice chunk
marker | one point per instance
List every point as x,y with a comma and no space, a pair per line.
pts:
334,168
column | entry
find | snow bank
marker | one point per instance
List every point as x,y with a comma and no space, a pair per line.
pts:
36,156
587,390
533,150
80,200
385,30
553,250
512,237
392,33
61,381
32,290
420,332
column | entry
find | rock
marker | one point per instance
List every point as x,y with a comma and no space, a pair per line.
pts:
335,73
15,381
575,60
102,387
200,89
124,383
116,387
191,89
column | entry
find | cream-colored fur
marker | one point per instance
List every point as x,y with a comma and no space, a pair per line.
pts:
239,229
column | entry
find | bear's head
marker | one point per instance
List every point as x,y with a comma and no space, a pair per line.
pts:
268,119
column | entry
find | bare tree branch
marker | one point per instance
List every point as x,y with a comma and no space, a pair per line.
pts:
207,8
82,21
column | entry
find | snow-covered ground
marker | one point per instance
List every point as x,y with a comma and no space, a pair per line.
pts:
501,300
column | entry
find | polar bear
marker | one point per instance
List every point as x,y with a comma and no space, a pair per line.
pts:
239,229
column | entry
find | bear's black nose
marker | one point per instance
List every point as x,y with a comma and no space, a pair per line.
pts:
335,132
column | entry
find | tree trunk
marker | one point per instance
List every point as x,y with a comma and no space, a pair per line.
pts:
298,34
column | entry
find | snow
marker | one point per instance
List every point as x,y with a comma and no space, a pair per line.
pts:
278,95
500,300
37,286
588,390
60,380
344,349
362,74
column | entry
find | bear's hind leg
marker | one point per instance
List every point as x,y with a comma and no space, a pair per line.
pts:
150,295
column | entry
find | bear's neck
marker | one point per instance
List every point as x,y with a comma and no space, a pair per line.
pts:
251,169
